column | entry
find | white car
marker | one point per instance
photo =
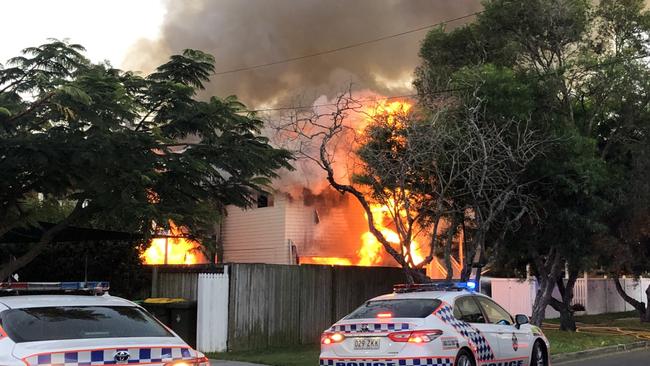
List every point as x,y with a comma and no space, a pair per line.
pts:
83,330
441,324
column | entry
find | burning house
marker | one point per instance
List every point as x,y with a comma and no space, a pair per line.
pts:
326,228
297,225
296,229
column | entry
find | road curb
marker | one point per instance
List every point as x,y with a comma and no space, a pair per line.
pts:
595,352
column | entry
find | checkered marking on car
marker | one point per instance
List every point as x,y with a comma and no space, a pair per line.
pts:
434,361
473,336
370,327
107,356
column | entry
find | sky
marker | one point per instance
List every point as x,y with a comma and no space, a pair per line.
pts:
106,28
141,34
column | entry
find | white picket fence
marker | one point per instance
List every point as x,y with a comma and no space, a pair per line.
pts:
597,295
212,312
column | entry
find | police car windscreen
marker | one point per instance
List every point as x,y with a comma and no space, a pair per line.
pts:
70,322
398,308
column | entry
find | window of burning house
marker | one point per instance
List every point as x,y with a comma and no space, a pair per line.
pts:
264,200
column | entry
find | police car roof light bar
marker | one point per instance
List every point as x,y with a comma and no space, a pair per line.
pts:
95,287
435,286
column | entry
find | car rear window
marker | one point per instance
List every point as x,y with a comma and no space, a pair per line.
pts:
398,308
77,322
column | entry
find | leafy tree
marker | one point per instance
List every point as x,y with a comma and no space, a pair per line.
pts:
624,248
575,68
124,150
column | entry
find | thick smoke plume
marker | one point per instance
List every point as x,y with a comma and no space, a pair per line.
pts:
242,33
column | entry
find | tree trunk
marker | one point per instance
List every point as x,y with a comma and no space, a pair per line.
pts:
644,314
408,275
472,255
549,271
645,318
466,269
542,299
567,320
448,244
479,267
563,306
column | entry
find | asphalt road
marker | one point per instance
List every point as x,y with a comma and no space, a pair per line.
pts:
634,358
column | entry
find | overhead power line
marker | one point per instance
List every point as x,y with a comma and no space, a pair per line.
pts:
360,101
346,47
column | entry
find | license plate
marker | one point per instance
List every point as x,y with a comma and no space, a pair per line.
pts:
366,343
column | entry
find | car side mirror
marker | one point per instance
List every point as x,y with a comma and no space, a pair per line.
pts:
521,319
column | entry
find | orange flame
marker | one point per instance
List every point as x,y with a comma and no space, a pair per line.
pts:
371,252
391,109
332,261
175,249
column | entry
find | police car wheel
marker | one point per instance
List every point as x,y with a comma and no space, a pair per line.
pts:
539,355
464,358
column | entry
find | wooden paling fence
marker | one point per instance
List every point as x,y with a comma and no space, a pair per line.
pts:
272,305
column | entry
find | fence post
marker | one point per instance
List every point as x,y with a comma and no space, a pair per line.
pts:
154,281
586,289
212,311
334,293
606,295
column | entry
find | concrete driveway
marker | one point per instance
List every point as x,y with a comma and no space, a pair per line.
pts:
231,363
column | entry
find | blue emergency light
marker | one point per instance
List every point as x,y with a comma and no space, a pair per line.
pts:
436,285
96,287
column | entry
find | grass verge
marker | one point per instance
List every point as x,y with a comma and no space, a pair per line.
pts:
293,356
627,320
566,342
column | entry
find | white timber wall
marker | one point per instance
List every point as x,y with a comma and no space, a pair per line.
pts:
300,223
513,294
597,295
212,312
602,296
256,235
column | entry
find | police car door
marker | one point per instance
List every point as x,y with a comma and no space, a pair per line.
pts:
482,335
513,343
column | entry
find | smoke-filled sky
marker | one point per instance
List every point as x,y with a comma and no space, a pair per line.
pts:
241,33
142,34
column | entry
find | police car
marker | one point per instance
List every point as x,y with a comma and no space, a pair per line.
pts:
82,330
440,324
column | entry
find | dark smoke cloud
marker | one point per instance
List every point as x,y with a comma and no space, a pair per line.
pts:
242,33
